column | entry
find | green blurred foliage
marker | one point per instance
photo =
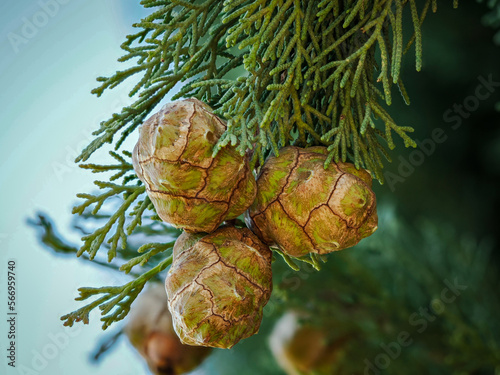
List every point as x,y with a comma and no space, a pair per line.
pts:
458,181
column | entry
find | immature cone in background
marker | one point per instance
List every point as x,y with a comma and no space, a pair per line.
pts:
304,208
149,329
218,285
189,188
301,348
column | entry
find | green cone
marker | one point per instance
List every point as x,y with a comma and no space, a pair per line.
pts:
218,285
304,208
189,188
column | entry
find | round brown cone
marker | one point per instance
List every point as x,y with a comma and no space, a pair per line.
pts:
302,208
190,188
218,285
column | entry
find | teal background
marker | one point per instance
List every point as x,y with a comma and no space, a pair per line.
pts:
46,118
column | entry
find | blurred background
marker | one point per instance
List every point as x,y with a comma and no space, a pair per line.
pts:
438,209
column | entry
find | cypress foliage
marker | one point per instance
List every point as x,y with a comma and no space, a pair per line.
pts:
280,72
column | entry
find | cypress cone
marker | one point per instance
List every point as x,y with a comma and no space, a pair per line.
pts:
300,347
218,285
302,208
190,188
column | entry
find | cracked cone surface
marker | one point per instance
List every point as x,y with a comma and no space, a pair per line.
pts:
304,208
189,188
218,285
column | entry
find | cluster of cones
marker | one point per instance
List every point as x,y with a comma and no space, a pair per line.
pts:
221,276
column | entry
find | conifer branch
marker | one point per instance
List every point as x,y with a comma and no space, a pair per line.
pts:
280,72
154,249
93,241
114,302
54,242
122,168
304,61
